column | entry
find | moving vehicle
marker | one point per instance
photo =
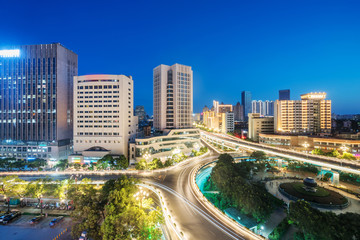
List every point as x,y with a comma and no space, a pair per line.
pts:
55,221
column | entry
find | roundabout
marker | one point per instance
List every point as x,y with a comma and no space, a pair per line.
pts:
317,196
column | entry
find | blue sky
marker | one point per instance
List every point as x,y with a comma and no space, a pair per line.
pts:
259,46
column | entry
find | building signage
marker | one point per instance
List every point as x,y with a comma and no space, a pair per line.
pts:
9,53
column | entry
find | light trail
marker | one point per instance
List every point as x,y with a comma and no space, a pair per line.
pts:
344,169
198,210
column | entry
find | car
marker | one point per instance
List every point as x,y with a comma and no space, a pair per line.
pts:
3,216
55,221
36,219
10,217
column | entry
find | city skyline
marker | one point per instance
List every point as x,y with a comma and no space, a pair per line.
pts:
248,47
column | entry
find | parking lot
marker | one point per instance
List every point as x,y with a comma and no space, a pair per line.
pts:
21,228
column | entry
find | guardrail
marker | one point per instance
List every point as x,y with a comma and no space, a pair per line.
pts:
208,205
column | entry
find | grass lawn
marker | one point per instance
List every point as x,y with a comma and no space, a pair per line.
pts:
320,192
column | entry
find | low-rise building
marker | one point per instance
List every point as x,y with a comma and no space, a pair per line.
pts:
308,143
164,146
258,124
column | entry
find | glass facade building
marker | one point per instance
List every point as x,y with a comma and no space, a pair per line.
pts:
246,102
36,91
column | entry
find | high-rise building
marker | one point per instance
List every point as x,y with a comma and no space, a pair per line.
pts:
284,94
227,122
103,113
140,113
264,108
222,108
36,94
246,102
258,124
173,96
310,115
238,112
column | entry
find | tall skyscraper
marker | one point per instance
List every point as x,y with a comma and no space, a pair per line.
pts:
284,94
173,96
310,115
36,101
246,102
103,113
238,112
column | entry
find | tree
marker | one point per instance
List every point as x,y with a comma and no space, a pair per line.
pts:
258,156
141,165
37,163
155,164
12,186
169,162
348,156
62,164
317,151
113,212
120,163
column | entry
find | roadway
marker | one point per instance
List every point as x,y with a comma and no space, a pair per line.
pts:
190,216
328,162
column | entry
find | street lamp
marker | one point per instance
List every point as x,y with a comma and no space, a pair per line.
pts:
147,156
141,195
305,145
344,149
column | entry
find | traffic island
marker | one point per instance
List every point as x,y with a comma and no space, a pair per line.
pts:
317,196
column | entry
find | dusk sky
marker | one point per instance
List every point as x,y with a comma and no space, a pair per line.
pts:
259,46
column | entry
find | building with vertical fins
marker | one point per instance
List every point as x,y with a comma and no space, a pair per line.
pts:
173,96
36,95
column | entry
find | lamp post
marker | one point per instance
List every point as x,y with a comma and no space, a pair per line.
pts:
140,195
147,156
8,201
306,145
344,149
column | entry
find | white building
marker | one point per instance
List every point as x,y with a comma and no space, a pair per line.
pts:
227,122
173,96
103,113
166,145
264,108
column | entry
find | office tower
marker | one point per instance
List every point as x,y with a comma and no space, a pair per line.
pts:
284,94
103,113
173,96
36,94
258,124
246,102
140,113
310,115
238,112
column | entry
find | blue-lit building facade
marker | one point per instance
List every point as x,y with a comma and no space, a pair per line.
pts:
36,96
246,102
